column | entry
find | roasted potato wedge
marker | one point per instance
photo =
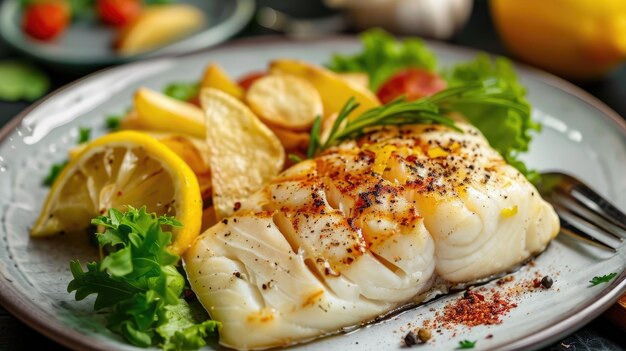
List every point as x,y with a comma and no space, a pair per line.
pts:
195,153
157,26
334,90
208,218
285,101
215,77
244,152
356,78
158,112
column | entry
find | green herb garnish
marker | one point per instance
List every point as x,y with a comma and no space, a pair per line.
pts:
294,158
181,90
602,279
466,344
84,134
54,172
138,283
383,56
113,122
433,109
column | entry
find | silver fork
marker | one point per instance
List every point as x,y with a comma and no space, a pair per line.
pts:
576,202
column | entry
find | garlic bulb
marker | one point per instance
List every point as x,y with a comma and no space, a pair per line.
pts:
439,19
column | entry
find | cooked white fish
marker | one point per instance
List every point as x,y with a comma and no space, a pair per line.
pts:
363,228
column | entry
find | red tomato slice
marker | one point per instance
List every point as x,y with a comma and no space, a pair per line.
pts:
118,12
246,81
413,83
46,20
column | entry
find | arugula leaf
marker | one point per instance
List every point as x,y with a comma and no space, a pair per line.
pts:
383,56
94,281
21,81
182,90
602,279
54,172
508,130
466,344
139,283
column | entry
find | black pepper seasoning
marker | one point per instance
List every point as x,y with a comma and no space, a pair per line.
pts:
547,282
410,339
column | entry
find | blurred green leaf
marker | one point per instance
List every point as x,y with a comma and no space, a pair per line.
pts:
183,91
21,81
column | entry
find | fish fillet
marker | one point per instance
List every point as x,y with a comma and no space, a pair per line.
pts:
363,228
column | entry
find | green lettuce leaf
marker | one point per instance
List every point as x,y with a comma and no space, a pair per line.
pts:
383,56
180,330
139,283
509,131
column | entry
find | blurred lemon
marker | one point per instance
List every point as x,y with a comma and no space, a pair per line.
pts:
577,39
119,169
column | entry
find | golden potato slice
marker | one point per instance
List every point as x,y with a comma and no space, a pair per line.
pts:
244,153
159,112
285,101
157,26
215,77
356,78
334,90
292,140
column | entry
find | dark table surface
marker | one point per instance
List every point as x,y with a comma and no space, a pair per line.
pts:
479,33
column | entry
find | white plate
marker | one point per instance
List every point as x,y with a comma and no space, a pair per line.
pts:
581,136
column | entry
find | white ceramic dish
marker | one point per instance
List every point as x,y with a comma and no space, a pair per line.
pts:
581,136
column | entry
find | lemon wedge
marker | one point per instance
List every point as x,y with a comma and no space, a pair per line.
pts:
159,112
119,169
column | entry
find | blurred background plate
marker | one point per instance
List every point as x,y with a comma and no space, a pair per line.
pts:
88,45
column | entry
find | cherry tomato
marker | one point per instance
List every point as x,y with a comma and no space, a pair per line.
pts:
118,12
413,83
247,80
46,20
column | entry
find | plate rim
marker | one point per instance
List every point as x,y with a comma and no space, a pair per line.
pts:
21,308
243,12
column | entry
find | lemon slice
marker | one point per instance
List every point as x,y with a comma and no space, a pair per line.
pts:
119,169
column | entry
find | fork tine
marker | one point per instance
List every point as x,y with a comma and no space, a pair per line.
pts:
601,207
572,230
595,224
604,208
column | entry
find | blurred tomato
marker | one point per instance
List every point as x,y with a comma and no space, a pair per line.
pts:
247,80
46,20
413,83
118,12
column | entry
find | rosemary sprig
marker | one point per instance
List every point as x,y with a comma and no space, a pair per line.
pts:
428,110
